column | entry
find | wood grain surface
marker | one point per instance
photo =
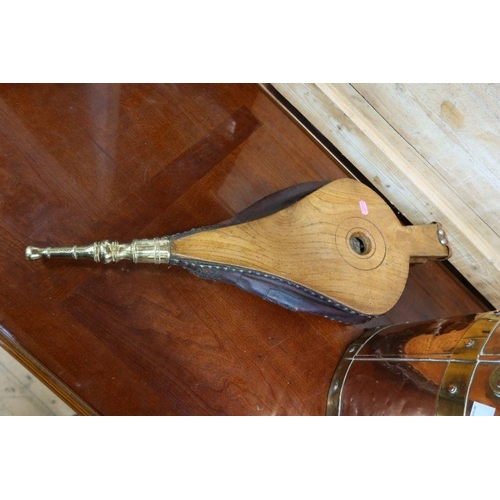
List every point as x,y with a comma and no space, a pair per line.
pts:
88,162
313,244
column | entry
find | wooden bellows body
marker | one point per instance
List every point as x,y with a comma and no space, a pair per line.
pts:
335,249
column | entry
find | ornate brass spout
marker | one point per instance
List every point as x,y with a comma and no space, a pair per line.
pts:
154,251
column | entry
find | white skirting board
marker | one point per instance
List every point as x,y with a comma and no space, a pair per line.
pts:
432,149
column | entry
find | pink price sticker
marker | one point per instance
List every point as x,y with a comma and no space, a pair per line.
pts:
364,207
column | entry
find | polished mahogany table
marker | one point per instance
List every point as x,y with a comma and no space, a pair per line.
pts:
81,163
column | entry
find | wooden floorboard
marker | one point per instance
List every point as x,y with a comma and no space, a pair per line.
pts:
23,394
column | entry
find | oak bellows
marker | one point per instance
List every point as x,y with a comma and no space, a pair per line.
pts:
330,248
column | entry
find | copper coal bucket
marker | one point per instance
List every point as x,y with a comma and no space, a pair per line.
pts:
445,367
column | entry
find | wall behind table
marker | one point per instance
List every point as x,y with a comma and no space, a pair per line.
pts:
432,149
